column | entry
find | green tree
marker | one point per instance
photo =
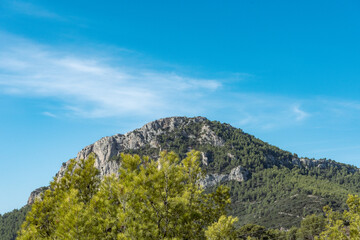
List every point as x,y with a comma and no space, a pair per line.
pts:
292,234
156,200
223,229
311,226
253,231
62,201
146,200
11,222
345,226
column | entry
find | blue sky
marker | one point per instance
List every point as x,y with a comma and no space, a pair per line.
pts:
72,72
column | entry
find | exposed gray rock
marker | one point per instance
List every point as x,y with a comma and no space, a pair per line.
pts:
208,136
319,163
307,162
296,161
230,155
108,147
213,179
36,194
204,159
239,174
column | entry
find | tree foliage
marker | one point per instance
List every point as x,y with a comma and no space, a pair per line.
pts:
223,229
278,193
254,231
60,211
345,225
10,222
311,227
146,200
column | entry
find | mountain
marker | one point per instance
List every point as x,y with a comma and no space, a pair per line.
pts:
181,134
269,186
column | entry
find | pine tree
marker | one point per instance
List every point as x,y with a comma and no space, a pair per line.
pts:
61,201
223,229
345,226
156,200
147,200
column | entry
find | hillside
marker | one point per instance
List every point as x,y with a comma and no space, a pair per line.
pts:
11,222
269,186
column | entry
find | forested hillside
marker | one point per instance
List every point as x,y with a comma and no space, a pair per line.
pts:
282,188
274,188
10,222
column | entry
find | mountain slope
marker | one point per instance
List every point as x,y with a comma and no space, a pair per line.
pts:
11,222
269,186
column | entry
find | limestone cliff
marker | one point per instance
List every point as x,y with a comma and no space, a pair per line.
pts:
108,147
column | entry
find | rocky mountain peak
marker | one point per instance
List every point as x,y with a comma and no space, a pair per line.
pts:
168,124
108,147
228,154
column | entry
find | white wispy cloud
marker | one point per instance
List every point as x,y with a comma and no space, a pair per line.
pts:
299,114
91,87
342,107
49,114
266,111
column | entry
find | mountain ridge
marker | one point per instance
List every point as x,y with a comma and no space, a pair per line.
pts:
200,132
268,186
107,147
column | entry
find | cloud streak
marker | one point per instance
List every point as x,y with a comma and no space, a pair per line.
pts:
91,87
86,85
299,114
49,114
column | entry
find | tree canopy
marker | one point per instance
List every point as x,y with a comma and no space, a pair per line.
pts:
146,200
345,225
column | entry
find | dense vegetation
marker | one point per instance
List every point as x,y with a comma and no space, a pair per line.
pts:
280,192
159,200
147,200
345,225
10,223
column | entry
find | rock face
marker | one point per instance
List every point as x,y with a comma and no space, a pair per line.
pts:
206,158
213,179
36,194
238,174
108,147
319,163
209,137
